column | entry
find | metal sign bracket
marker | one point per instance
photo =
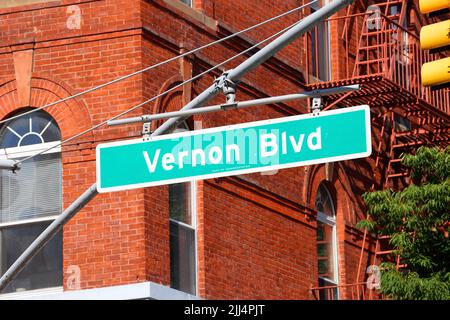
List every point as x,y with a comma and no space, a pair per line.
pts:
147,130
316,106
227,86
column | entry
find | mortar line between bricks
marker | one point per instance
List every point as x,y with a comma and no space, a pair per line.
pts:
140,105
172,59
45,6
245,184
294,218
164,62
67,39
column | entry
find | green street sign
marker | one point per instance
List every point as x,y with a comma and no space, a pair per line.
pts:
237,149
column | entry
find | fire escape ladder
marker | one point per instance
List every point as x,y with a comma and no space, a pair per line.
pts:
368,42
386,63
379,147
385,253
391,9
347,21
403,140
399,142
393,171
371,58
378,159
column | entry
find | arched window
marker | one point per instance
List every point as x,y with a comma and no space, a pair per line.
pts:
183,237
326,242
30,199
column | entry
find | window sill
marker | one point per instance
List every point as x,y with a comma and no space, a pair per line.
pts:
31,294
192,13
136,291
27,221
18,3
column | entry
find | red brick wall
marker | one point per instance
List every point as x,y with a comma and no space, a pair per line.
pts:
243,14
107,239
253,251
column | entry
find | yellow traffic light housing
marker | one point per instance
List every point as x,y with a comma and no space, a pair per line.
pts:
435,36
436,73
427,6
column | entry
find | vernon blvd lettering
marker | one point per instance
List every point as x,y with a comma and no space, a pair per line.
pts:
270,144
274,144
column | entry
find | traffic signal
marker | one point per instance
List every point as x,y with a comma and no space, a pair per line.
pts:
427,6
435,36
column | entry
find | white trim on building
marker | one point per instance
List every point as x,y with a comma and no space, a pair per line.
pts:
136,291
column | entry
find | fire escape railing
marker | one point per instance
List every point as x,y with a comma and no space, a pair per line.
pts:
354,291
374,45
371,45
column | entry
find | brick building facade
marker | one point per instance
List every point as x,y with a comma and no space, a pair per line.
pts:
244,237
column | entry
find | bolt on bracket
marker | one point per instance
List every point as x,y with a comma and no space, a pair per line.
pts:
316,106
146,130
227,86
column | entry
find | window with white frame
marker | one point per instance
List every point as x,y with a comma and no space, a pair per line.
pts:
326,243
30,199
183,234
320,47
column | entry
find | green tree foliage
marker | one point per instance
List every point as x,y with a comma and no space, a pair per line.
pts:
417,219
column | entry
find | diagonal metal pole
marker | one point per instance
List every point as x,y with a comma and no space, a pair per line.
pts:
234,75
9,165
260,57
47,235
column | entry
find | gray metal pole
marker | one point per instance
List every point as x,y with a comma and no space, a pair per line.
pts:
204,97
8,165
260,57
47,235
237,105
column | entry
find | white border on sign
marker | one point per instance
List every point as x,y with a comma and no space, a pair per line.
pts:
365,108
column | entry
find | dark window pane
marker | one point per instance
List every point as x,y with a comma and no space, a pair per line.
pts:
30,139
20,126
320,50
324,201
322,250
180,202
10,141
36,128
325,251
323,267
314,59
320,235
182,258
182,238
402,124
44,270
188,2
